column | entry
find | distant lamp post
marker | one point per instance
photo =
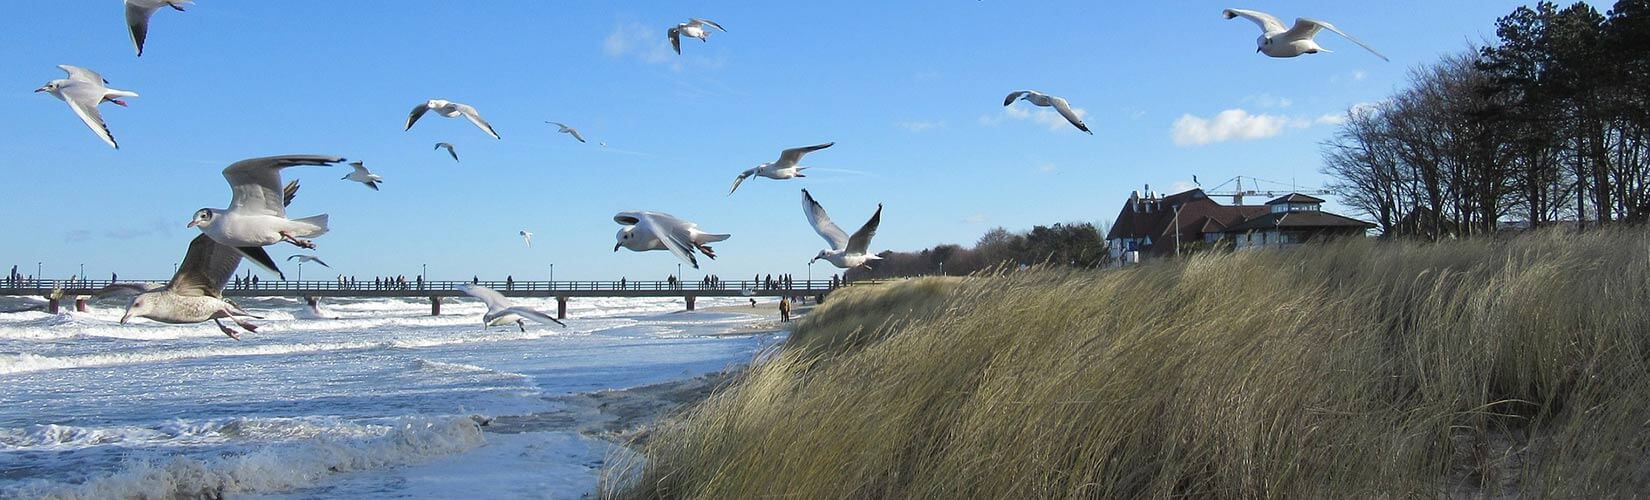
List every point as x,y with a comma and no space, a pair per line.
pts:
678,272
424,272
82,272
552,272
300,269
38,273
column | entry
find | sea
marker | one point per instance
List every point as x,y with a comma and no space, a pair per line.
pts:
360,398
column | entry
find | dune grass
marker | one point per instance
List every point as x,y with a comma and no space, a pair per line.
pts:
1356,368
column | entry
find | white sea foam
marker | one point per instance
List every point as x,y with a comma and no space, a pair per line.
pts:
272,468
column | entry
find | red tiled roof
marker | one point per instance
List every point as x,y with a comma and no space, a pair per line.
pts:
1198,214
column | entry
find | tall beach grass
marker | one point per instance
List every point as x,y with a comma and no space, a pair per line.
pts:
1356,368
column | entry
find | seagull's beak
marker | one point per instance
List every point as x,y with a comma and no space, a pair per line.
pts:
616,246
1257,50
191,224
39,90
127,317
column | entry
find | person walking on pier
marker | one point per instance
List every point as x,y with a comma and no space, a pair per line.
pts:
510,282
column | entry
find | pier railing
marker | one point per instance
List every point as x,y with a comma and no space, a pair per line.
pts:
417,288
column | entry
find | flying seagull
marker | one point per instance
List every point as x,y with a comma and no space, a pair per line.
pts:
138,13
527,236
83,90
846,252
1278,41
256,217
309,258
694,28
449,109
500,312
1045,100
450,149
785,168
645,231
364,176
568,130
195,293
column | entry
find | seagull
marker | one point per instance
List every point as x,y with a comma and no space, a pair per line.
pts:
846,252
138,13
1045,100
694,28
449,109
364,176
309,258
83,90
500,312
256,218
195,293
528,237
645,231
450,149
785,168
568,130
1277,41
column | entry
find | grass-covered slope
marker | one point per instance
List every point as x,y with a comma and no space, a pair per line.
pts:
1476,367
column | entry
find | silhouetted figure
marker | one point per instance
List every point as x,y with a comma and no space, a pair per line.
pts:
784,309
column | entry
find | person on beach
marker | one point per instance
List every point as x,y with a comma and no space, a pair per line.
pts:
784,309
753,303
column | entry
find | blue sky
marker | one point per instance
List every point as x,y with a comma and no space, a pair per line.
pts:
911,93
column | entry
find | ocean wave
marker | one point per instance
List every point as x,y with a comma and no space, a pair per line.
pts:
27,362
272,468
455,368
181,432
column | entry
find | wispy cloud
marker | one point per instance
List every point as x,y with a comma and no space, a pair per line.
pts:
633,40
922,125
1047,117
1047,168
1268,101
1240,125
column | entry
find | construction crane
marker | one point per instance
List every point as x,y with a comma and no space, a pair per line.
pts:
1238,192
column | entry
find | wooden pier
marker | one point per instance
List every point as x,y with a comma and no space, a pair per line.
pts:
563,291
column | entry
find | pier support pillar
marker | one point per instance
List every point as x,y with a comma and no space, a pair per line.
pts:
52,305
690,299
80,304
313,302
561,307
435,305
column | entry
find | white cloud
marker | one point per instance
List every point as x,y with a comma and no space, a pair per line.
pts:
634,40
1045,116
921,126
1181,187
1268,101
1359,75
1229,125
1047,168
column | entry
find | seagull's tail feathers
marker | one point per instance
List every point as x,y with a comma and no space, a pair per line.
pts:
122,93
713,238
310,227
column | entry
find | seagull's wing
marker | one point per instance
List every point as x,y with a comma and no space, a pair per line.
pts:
206,268
822,222
137,19
126,289
673,232
707,22
1267,22
83,98
793,155
361,168
675,35
318,260
532,314
256,183
575,133
450,150
474,116
494,300
1065,110
417,113
860,242
741,180
1306,27
1013,96
84,75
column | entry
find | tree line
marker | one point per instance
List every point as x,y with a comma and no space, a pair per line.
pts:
1079,244
1547,123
